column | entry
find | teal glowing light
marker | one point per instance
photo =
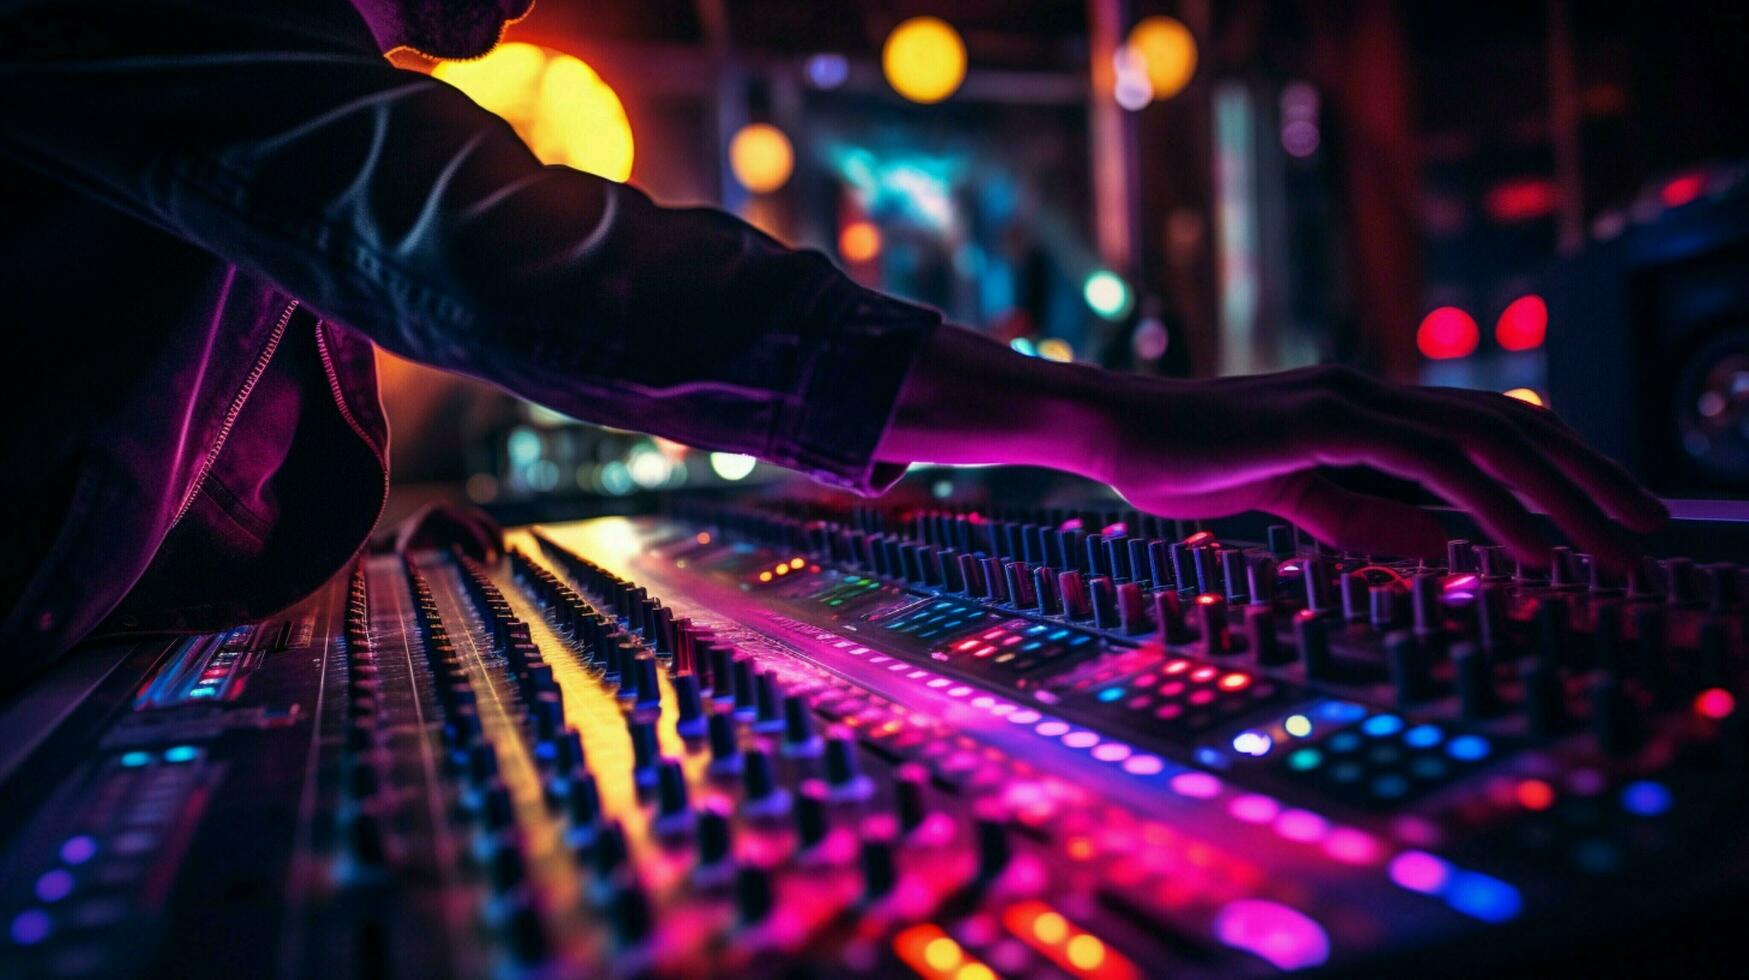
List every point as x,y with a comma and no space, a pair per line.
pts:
1107,294
134,760
1023,346
181,753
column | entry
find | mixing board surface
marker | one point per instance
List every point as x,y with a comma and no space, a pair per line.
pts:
760,742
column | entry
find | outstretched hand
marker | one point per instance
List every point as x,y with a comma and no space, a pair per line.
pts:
1194,449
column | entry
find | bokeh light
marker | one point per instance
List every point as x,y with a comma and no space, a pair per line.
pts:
558,105
860,241
1523,324
761,158
1527,395
924,59
732,466
1447,332
1106,294
1056,349
1167,50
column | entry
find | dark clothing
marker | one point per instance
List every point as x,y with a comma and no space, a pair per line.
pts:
214,209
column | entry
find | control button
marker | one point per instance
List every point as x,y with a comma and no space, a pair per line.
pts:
1313,639
880,871
1410,671
713,837
1211,613
629,910
811,823
1132,609
647,691
841,770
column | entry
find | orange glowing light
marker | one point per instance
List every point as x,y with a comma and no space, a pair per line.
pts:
1534,794
934,955
924,59
797,562
761,158
1235,682
860,241
1527,395
781,569
558,105
764,576
1167,51
1207,599
703,537
1070,947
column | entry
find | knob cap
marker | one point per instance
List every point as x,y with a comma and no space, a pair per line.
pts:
691,720
994,848
1313,639
1074,593
879,870
713,837
1261,639
630,911
725,744
753,898
1410,673
811,823
799,739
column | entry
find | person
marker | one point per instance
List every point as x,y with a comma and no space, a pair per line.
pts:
214,210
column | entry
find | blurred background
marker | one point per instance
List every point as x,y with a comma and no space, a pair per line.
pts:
1545,198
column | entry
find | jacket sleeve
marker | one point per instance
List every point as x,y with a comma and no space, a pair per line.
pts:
387,200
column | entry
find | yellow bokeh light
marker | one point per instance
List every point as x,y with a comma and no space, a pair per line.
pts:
1527,395
924,59
1054,349
1167,50
761,158
860,241
1086,952
558,105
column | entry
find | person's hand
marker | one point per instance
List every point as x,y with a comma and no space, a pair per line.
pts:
443,525
1194,449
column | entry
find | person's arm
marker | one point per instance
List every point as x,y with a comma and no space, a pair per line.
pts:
1210,448
275,137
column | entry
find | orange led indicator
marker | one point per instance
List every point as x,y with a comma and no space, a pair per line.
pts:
930,951
797,562
704,537
764,576
1067,945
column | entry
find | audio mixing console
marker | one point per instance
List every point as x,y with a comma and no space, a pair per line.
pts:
761,742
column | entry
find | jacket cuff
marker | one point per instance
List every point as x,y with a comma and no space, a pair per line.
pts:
847,389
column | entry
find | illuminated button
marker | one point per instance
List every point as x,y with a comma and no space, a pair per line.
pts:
1645,798
31,926
1423,736
1378,726
54,885
181,753
1468,748
1286,938
1482,897
1299,726
1252,742
134,760
1419,871
1303,760
78,850
1110,694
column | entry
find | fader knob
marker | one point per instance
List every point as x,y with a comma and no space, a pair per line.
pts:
811,823
1050,602
1260,636
768,714
1211,611
1410,673
1074,593
582,800
671,795
799,739
713,837
691,720
1020,590
753,898
908,798
1104,598
647,690
607,854
1313,640
879,870
725,744
1132,608
994,848
630,911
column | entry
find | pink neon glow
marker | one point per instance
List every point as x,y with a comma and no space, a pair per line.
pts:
1143,765
1287,938
958,692
1080,740
1301,825
1111,752
1715,703
1025,716
1119,528
1460,582
1252,808
1351,846
1072,524
1419,871
1051,729
1196,785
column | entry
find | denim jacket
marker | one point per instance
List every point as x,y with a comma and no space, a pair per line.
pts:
215,209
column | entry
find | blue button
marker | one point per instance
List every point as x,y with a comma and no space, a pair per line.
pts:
134,760
1469,748
1423,736
1482,897
1379,726
1645,798
181,753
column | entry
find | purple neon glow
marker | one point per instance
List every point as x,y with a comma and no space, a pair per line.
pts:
1303,826
1420,871
1144,765
1352,846
1287,938
1252,808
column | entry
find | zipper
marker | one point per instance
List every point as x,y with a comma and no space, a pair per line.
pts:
346,412
212,455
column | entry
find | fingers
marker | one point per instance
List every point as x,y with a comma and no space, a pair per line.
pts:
1501,449
1350,435
1353,521
1618,493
